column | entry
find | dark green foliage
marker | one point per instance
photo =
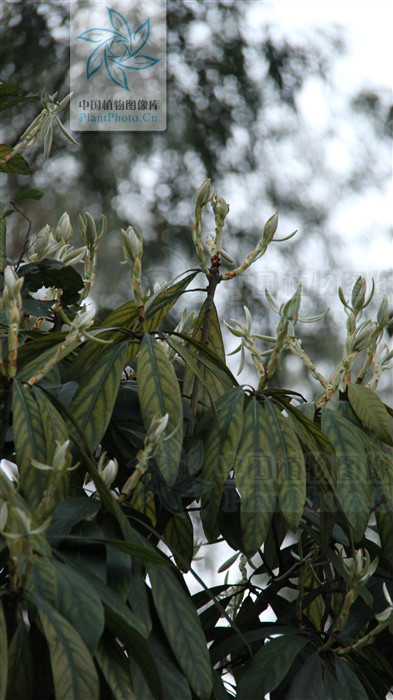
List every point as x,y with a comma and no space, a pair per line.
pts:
91,604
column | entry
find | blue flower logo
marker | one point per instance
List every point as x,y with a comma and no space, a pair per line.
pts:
118,49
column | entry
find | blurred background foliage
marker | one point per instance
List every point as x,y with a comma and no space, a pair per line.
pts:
236,113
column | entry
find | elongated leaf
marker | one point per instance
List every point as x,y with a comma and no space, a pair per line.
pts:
3,653
73,669
137,647
29,437
179,536
116,669
126,318
351,687
308,681
256,476
269,666
183,630
352,474
159,393
94,399
192,361
158,307
219,456
79,604
70,512
291,471
55,431
20,665
215,343
371,411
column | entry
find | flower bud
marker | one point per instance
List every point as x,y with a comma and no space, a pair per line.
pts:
202,195
383,316
362,339
132,245
63,230
270,229
90,232
358,294
291,308
221,209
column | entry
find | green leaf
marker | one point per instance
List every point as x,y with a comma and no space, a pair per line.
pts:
308,682
353,485
52,273
29,437
95,397
179,536
216,345
29,194
126,318
158,307
115,667
74,674
137,647
269,666
136,550
3,653
16,165
371,411
291,472
350,685
79,603
219,456
70,512
20,665
256,476
183,630
159,393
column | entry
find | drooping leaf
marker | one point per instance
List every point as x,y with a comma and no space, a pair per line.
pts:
20,665
94,399
308,681
291,472
269,666
182,629
74,674
256,476
3,653
116,669
159,306
219,456
159,394
371,411
179,537
353,485
29,437
350,685
137,647
71,511
79,603
215,343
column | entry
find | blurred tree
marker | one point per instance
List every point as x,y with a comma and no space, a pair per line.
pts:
235,114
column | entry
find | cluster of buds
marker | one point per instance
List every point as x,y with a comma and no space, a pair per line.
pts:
11,304
248,342
56,243
132,249
214,243
42,126
285,338
155,437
